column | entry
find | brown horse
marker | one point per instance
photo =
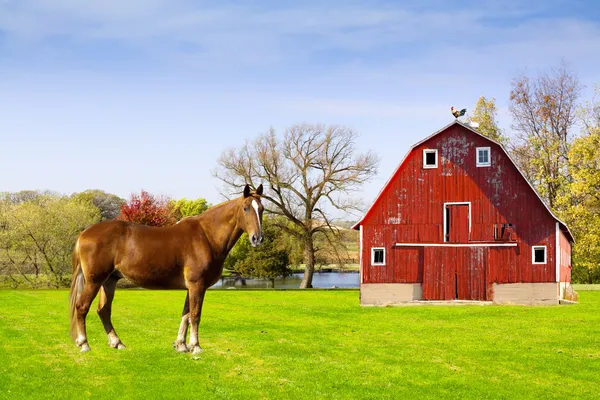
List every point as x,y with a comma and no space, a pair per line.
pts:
188,255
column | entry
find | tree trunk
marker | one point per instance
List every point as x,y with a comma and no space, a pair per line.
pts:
309,262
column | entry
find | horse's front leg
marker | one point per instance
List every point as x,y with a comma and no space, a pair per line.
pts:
196,293
183,328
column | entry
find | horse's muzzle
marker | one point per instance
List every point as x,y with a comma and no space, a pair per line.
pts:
255,240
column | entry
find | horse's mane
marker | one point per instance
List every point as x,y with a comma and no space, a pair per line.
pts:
209,211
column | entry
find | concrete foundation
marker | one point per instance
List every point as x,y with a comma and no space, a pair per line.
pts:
526,293
383,294
387,294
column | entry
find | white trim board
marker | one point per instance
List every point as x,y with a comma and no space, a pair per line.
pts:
557,252
360,252
456,244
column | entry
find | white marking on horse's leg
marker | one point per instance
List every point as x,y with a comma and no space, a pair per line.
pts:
193,336
255,206
80,340
183,328
193,346
114,341
181,336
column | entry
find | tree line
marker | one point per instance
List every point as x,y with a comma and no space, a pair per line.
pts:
38,230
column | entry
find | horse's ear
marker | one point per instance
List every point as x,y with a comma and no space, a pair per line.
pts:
246,191
259,190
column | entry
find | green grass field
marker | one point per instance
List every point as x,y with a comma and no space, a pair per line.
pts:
301,344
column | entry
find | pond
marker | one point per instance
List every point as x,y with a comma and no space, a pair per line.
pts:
321,280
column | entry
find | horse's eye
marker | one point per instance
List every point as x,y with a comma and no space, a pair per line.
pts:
245,208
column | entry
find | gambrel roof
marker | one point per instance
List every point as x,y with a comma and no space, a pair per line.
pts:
562,224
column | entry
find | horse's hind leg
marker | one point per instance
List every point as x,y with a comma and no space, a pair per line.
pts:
197,293
107,294
89,292
183,328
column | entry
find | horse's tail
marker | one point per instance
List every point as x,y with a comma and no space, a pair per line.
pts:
77,283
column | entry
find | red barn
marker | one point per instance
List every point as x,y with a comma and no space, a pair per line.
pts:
459,221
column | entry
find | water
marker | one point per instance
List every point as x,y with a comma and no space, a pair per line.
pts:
321,280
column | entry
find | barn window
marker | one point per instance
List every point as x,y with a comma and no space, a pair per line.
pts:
483,157
539,254
430,158
377,256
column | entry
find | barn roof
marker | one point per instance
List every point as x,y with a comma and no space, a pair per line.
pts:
563,225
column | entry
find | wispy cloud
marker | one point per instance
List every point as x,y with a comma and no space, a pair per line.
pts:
180,31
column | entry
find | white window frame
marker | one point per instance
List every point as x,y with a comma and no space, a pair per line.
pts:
533,249
427,151
489,152
373,249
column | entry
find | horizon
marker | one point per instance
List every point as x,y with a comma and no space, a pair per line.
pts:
125,97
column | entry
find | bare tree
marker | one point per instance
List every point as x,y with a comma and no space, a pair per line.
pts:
544,111
311,171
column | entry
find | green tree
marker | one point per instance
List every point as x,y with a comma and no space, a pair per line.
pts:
27,196
109,204
276,237
38,236
268,262
484,114
188,208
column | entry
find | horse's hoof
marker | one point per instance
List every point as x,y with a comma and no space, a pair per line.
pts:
85,348
196,350
181,348
117,345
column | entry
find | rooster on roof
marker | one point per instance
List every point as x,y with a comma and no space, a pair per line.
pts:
458,113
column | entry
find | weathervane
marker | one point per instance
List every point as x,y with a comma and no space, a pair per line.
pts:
458,113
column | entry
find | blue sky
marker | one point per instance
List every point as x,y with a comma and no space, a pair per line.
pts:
147,94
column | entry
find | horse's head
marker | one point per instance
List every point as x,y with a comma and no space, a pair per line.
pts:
250,215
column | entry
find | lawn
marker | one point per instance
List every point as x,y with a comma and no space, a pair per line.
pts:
301,344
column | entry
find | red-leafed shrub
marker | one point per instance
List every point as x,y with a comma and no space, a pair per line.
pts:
147,209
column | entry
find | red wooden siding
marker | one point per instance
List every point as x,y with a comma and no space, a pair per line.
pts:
455,273
458,223
411,210
565,258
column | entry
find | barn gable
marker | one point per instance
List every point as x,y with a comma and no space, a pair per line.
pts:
563,226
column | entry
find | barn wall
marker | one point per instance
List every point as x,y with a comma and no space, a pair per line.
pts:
565,258
403,265
410,210
566,291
